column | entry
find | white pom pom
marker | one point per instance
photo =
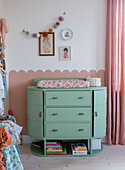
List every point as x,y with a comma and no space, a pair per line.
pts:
38,35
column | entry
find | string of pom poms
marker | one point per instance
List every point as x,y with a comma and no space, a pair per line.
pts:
45,34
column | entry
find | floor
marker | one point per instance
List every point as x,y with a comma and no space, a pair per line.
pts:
112,158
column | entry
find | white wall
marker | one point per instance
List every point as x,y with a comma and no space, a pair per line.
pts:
86,18
3,8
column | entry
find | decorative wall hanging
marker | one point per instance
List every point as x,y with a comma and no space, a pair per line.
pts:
65,53
37,35
67,34
46,39
46,44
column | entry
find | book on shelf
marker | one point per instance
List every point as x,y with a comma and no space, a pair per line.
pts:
54,144
96,144
63,152
75,151
57,150
51,146
54,149
80,147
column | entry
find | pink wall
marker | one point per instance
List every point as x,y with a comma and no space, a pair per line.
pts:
19,81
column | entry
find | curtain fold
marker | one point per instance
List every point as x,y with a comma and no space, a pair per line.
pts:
115,72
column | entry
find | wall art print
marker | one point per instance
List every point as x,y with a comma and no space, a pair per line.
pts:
65,53
46,44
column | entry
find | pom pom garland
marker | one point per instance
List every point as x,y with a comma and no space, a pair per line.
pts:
55,26
34,35
45,34
27,32
58,23
61,18
50,30
38,35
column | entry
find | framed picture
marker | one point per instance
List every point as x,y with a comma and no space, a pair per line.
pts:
65,53
46,45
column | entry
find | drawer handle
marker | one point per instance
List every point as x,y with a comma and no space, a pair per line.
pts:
81,98
96,114
55,130
80,130
54,114
81,114
40,114
54,97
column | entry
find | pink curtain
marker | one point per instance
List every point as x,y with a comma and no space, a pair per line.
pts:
115,71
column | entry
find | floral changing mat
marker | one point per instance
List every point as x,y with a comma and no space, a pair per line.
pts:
73,83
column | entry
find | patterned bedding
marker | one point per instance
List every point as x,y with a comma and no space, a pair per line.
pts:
70,83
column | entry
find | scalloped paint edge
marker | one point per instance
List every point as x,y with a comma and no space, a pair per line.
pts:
62,74
19,81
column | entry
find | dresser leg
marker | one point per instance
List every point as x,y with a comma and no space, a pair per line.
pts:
90,143
45,147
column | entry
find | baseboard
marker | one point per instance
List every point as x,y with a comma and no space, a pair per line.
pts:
28,139
104,139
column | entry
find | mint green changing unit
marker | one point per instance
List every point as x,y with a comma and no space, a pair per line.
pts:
66,115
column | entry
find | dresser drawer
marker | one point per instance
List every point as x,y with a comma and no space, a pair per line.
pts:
35,112
68,114
35,97
68,130
69,98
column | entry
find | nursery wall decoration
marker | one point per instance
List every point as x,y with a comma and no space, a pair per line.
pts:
46,44
46,39
65,53
67,34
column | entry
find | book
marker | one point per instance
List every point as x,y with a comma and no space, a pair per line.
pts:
54,149
80,147
54,142
77,152
64,152
53,146
96,144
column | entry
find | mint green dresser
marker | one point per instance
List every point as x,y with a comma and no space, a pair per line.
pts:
66,115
